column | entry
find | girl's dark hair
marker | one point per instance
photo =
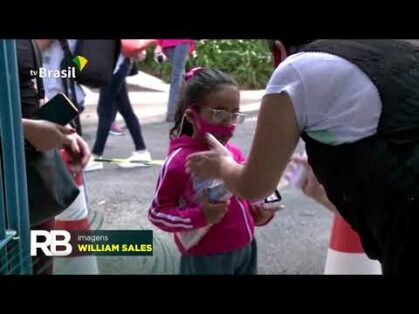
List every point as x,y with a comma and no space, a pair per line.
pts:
291,45
196,91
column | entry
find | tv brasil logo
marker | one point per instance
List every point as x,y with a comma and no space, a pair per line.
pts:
80,63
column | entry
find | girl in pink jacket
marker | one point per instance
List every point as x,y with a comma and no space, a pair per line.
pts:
213,230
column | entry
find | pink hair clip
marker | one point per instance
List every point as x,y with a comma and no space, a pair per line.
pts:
192,72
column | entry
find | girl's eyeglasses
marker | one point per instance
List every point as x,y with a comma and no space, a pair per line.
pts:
222,116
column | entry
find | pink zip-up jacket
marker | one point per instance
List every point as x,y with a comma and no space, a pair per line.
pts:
175,209
167,43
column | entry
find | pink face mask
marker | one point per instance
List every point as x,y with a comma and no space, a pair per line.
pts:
219,131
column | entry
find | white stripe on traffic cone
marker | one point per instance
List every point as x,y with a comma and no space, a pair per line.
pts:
75,218
346,255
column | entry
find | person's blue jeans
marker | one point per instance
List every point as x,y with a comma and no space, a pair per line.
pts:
177,56
113,98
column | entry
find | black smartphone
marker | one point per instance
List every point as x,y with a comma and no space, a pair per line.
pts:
59,109
272,200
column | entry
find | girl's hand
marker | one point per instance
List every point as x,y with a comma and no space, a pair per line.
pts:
263,215
214,212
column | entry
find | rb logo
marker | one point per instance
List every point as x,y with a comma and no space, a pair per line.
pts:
41,239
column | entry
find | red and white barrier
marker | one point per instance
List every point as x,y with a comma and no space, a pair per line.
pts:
346,255
75,218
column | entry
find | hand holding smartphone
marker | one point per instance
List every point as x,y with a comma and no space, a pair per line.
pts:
272,201
59,109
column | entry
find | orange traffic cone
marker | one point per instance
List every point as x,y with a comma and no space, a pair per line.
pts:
346,255
75,218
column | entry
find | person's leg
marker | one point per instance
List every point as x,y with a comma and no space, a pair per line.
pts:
247,258
107,111
124,106
177,56
214,264
116,128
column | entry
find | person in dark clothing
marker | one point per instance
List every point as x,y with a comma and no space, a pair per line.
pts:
115,98
42,137
355,103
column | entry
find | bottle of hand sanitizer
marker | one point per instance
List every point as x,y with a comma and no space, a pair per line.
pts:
294,175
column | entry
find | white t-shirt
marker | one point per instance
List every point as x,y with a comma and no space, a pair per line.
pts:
52,58
334,101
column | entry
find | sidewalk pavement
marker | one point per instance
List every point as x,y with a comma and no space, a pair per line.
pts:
149,97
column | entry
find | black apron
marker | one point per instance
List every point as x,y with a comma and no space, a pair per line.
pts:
374,182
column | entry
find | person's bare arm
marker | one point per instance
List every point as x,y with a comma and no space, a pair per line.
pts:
45,135
275,139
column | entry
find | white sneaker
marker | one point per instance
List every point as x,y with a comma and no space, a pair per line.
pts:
142,155
93,165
